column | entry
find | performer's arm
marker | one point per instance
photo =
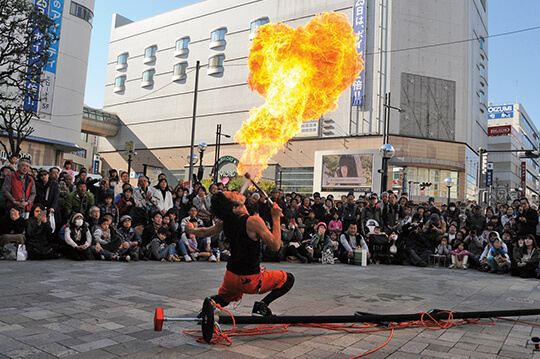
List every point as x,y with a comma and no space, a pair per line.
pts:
204,231
256,228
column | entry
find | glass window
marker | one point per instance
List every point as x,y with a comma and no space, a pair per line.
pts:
482,71
84,137
148,78
481,97
218,35
215,64
148,75
150,54
482,43
122,59
182,44
256,24
179,71
120,81
81,12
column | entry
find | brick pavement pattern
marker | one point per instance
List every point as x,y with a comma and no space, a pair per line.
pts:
65,309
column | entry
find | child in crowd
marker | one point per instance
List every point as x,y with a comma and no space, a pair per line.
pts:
460,257
160,250
498,259
106,244
109,207
199,249
443,249
335,224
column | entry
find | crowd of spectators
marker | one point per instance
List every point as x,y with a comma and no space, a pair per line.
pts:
56,213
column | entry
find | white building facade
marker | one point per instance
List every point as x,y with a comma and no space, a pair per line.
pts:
430,56
511,129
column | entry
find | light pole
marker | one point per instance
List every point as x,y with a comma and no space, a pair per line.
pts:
449,182
201,147
388,151
218,148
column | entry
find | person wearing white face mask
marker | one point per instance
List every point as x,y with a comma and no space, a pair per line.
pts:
78,239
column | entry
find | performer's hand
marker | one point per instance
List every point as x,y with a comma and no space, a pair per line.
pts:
276,211
189,227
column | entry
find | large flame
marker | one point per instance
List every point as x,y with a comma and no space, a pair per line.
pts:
301,73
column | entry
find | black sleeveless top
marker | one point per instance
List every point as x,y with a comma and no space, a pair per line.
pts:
245,252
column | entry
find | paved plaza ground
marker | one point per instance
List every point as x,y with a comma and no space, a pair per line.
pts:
105,310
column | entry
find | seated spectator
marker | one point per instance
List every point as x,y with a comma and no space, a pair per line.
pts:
93,218
107,245
294,243
160,250
130,238
164,196
460,257
417,248
38,231
487,250
12,227
331,248
199,249
126,202
526,258
318,240
498,259
78,238
351,241
444,248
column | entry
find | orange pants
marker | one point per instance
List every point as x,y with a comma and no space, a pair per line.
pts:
234,286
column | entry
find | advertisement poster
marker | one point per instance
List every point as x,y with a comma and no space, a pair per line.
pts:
352,172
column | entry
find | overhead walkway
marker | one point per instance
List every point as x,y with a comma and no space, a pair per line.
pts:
99,122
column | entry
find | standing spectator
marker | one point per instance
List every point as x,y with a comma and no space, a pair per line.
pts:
48,194
103,190
304,208
371,211
13,162
54,174
318,206
351,212
476,219
79,201
110,207
390,215
200,201
67,168
19,188
335,224
528,219
124,178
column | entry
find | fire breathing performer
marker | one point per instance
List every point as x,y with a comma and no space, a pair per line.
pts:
244,233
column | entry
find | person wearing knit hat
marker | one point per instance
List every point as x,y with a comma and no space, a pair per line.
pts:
318,239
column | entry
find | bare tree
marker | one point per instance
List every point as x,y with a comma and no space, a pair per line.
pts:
26,35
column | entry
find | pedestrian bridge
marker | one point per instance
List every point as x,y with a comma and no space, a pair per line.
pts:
99,123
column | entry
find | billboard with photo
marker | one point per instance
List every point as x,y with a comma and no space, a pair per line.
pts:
347,172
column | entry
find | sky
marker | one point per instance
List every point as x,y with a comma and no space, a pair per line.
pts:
513,70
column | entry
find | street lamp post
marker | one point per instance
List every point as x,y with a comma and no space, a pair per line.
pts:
388,151
202,147
218,148
449,182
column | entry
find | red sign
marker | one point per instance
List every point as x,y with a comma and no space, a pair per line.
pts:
499,130
523,178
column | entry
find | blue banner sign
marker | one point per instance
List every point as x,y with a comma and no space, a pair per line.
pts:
504,111
359,26
489,178
32,81
55,13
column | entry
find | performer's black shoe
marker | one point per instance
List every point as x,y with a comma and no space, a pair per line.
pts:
260,309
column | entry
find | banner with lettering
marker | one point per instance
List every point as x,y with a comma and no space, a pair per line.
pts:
359,26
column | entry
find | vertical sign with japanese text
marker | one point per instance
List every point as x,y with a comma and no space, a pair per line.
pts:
48,78
359,26
32,83
523,178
